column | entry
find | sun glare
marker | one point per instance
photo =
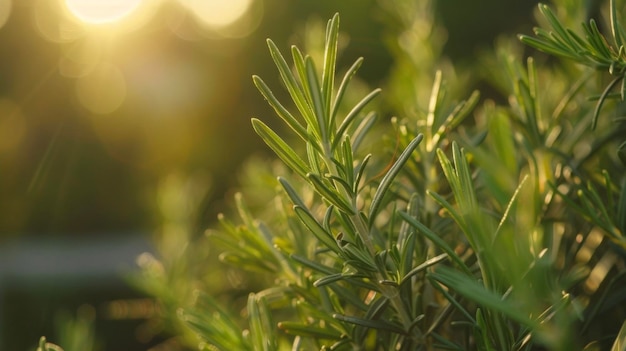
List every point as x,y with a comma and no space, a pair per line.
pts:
101,11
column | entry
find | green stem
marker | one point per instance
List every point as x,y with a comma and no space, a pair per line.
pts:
389,292
362,230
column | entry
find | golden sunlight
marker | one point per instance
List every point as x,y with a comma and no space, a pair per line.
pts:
103,90
101,11
218,13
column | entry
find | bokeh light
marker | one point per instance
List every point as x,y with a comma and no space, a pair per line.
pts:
52,23
101,11
166,84
5,11
217,13
80,58
216,18
103,90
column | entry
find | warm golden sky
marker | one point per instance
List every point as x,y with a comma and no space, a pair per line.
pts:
71,21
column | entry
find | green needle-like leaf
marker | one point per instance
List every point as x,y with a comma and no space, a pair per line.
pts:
481,334
547,47
361,257
328,72
473,290
317,99
603,97
352,116
460,178
367,123
281,111
374,324
445,344
615,26
329,193
508,207
620,340
261,331
452,299
280,147
47,346
597,40
452,212
426,264
298,62
556,25
293,87
314,265
329,279
344,85
385,183
348,160
291,192
360,169
433,106
375,309
436,239
459,113
295,328
320,233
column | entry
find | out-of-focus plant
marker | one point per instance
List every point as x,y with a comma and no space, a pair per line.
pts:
591,48
47,346
74,333
77,333
476,226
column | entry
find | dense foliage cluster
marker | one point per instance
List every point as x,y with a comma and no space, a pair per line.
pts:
462,224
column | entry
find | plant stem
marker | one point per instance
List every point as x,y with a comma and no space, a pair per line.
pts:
388,291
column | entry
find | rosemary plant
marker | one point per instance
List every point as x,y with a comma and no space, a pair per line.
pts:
374,257
470,225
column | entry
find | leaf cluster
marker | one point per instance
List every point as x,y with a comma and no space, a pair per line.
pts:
476,232
591,49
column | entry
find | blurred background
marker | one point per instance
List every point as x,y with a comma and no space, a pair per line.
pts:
111,109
